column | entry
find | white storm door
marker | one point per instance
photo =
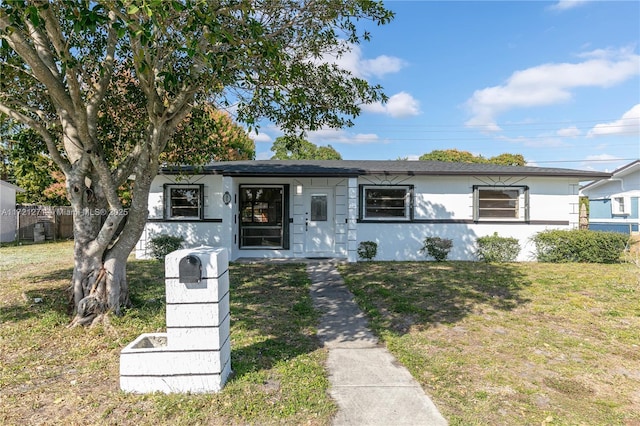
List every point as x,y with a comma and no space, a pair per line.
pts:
319,222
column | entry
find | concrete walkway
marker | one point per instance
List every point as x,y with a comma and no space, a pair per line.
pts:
368,384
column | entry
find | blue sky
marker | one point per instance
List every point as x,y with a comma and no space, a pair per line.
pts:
558,82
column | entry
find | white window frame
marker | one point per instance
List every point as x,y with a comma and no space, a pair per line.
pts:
168,208
521,208
407,208
620,205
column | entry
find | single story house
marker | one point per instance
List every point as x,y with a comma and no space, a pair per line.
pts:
8,212
613,202
319,209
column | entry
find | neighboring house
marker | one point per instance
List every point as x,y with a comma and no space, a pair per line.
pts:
307,209
8,211
613,202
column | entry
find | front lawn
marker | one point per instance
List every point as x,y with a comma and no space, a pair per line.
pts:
50,374
507,344
512,344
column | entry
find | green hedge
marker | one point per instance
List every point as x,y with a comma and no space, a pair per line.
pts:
367,250
437,247
497,249
163,244
579,246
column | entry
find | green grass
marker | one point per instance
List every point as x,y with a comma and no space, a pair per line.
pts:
499,344
512,344
50,374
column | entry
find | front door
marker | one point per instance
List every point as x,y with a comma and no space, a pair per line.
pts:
319,222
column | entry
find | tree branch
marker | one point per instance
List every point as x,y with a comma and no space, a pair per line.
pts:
102,85
41,48
62,162
75,108
17,40
126,167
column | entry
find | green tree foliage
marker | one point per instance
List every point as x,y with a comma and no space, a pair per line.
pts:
5,150
508,160
453,155
31,168
208,135
61,62
296,148
205,135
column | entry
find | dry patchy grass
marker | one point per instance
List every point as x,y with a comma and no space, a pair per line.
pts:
50,374
496,344
512,344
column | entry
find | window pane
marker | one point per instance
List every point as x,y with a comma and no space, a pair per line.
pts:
498,203
253,236
261,216
319,208
618,205
184,202
261,205
385,202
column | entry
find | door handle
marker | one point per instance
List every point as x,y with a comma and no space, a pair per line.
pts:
306,225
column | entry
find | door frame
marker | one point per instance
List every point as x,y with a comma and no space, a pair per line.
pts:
330,227
283,225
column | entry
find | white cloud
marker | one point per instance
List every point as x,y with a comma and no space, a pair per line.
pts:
563,5
260,137
353,62
264,155
333,136
628,125
375,108
602,157
569,132
381,65
550,84
540,141
398,106
613,161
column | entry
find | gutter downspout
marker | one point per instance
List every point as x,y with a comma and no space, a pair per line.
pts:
619,180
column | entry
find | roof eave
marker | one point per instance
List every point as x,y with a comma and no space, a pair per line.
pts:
304,174
584,176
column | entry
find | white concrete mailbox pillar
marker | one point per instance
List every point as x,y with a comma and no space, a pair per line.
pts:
194,355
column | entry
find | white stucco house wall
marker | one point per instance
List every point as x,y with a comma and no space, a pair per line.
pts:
614,202
8,220
311,209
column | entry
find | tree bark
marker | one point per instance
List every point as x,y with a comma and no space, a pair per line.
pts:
99,280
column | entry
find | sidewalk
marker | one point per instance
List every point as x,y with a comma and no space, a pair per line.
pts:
368,384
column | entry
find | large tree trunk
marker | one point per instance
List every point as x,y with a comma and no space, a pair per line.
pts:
98,286
99,281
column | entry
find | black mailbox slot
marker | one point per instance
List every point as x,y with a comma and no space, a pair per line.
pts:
190,270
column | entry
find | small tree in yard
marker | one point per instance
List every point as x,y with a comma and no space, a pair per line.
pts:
62,62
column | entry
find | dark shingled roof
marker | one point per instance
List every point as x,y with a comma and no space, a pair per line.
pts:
353,168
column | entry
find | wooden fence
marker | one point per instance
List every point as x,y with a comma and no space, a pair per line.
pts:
40,223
